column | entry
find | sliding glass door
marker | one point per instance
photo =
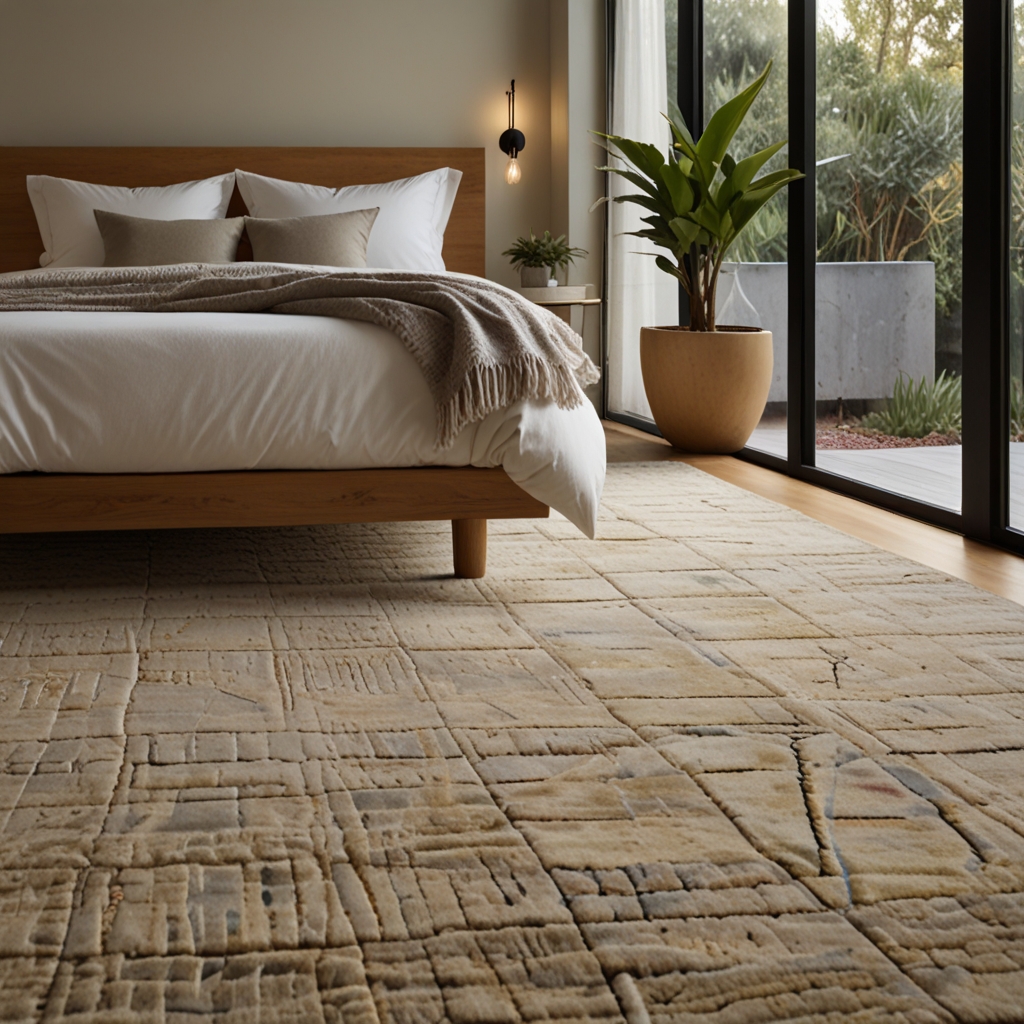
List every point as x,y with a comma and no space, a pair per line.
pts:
888,327
740,37
892,274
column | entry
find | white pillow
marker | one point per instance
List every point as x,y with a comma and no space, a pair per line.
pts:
409,230
68,229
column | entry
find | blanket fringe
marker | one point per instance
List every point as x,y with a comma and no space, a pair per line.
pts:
485,389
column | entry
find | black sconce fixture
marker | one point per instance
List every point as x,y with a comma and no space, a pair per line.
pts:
512,140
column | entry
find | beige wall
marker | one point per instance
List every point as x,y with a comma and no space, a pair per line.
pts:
288,72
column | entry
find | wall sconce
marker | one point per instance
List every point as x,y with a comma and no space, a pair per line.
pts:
512,140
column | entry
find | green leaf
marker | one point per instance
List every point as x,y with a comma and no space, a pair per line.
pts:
645,201
684,155
653,239
675,118
708,218
644,157
685,164
685,230
678,186
739,178
660,232
683,144
655,188
631,176
786,175
668,266
712,145
659,224
748,167
650,187
743,209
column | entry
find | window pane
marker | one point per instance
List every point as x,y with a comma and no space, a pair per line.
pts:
888,321
1017,275
740,37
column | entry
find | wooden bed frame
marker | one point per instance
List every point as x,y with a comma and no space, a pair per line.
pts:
44,502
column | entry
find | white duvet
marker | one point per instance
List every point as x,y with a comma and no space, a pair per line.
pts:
183,392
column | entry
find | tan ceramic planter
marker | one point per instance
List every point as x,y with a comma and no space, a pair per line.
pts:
707,390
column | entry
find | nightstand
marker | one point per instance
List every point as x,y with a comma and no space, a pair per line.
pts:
562,300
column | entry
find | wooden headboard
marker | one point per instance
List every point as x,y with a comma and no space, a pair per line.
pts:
20,244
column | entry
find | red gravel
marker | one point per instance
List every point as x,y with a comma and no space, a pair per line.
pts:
847,439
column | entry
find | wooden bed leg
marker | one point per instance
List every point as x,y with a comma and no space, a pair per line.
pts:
469,541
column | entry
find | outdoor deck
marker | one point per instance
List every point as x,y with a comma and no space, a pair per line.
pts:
927,474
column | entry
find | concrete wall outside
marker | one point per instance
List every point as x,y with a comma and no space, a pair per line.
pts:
873,321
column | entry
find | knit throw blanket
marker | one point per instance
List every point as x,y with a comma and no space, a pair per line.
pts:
480,347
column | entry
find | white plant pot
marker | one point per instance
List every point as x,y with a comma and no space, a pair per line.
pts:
534,277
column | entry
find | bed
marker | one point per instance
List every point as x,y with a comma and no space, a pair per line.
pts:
115,478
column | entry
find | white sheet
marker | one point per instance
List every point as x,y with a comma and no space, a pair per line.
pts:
176,392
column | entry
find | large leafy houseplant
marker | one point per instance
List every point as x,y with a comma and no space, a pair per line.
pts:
700,198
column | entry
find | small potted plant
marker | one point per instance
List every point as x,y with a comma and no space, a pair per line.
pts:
536,259
707,384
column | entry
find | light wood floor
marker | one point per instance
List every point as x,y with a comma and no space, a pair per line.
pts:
992,569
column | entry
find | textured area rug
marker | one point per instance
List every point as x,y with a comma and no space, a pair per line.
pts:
723,764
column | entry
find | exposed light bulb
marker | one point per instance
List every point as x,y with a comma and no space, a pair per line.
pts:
512,140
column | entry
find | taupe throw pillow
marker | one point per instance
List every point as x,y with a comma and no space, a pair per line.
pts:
327,240
143,242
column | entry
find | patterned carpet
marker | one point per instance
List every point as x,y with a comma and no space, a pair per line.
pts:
724,764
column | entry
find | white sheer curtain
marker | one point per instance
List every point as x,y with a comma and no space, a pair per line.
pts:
639,295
